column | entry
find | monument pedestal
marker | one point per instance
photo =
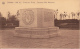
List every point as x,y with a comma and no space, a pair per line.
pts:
36,23
36,32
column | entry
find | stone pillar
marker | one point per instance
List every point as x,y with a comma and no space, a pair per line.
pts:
36,23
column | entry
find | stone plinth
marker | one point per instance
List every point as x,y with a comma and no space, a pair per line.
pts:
36,32
36,23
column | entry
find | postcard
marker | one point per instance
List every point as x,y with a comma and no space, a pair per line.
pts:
39,24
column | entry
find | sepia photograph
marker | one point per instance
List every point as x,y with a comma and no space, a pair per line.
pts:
39,24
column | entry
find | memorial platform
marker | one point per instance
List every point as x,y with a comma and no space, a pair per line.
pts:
36,32
36,23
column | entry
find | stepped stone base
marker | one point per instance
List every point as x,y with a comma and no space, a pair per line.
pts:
36,32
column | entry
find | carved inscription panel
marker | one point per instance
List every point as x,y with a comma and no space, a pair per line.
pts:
28,17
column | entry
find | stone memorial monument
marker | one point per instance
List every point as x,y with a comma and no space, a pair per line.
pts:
36,23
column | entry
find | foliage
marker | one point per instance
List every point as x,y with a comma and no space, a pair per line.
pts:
2,21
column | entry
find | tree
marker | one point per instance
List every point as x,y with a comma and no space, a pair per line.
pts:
65,15
55,14
61,16
9,14
78,14
2,21
73,15
18,13
11,18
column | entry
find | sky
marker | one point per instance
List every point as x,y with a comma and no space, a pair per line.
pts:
61,5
